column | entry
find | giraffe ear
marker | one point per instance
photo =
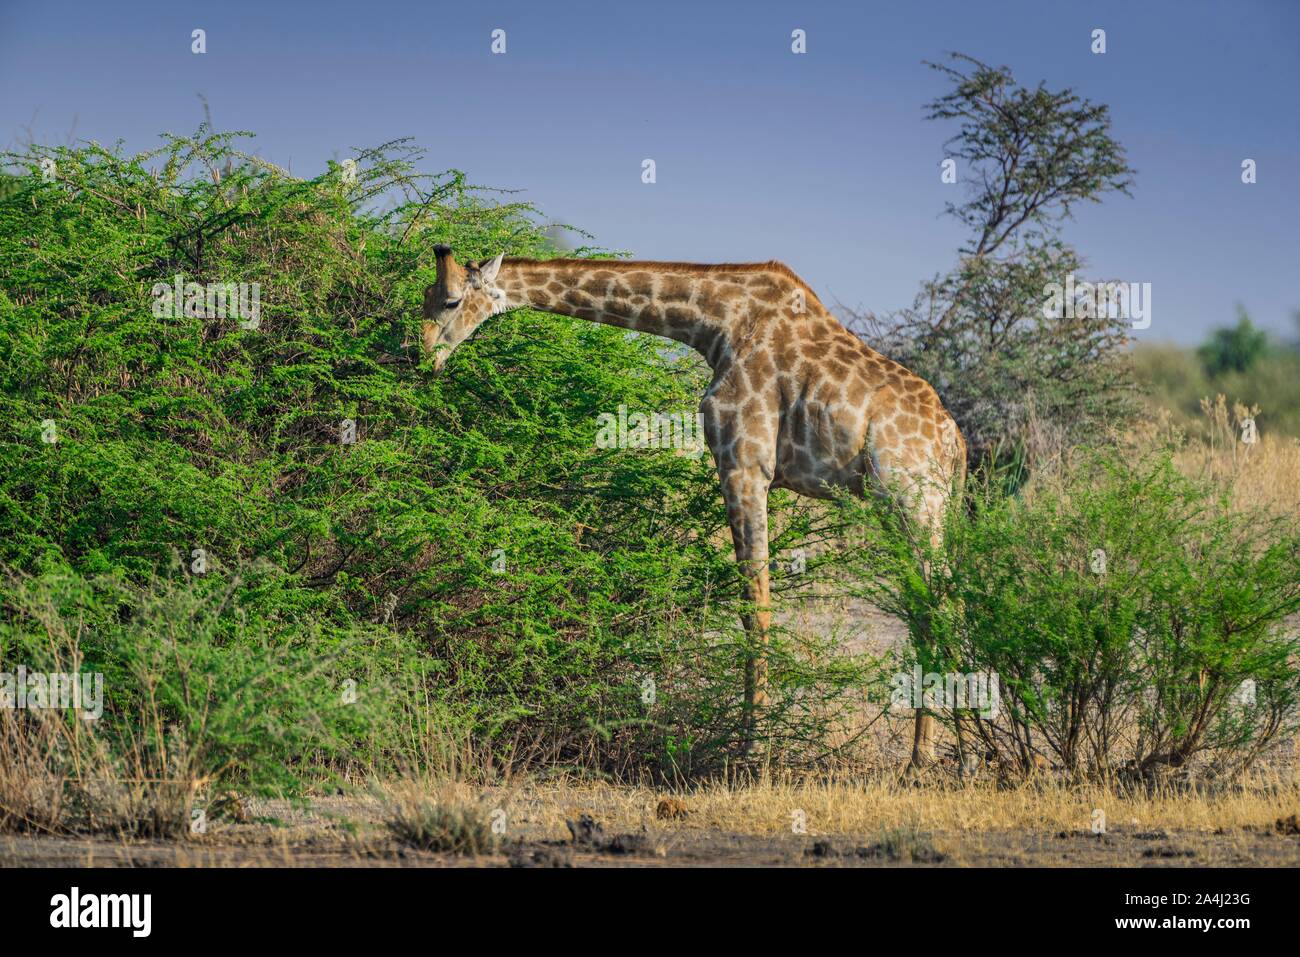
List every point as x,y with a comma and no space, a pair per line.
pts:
488,272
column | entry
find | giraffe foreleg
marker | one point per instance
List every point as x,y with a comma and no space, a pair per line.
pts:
745,492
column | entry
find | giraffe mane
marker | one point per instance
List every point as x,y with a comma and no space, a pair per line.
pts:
696,269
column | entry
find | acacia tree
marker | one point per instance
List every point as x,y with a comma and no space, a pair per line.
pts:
980,333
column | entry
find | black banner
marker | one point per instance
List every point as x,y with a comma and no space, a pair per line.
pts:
332,906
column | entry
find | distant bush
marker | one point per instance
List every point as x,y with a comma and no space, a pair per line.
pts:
1235,349
1136,622
1237,363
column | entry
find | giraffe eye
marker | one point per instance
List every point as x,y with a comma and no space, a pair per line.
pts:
451,304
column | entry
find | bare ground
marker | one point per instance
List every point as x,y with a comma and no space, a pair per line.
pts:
618,828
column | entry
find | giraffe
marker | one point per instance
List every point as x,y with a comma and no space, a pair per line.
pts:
796,400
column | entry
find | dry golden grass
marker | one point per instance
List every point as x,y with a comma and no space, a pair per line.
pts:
445,823
438,817
1260,474
837,807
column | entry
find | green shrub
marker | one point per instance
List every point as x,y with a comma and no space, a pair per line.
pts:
542,579
1135,623
197,698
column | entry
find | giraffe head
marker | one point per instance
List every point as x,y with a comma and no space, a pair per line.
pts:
458,302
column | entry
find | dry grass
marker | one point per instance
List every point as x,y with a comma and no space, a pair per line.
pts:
1257,475
873,823
1263,474
31,790
58,776
843,808
59,773
438,817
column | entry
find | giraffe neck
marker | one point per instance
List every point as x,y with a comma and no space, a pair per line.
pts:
694,305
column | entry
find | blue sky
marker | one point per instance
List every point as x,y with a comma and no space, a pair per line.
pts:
822,160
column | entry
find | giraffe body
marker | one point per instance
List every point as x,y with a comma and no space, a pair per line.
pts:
796,400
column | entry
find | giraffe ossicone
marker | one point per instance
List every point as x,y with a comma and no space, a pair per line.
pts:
796,400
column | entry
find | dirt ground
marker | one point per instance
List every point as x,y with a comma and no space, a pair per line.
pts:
596,830
690,849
